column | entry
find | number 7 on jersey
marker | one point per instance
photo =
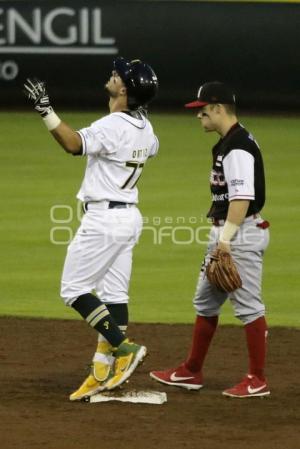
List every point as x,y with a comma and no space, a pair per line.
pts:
131,182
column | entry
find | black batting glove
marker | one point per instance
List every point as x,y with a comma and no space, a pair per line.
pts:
35,90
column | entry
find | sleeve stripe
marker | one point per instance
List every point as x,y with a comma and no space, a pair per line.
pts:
83,143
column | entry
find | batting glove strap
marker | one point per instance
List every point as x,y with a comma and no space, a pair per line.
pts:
43,111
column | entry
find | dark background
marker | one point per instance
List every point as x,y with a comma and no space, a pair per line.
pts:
252,46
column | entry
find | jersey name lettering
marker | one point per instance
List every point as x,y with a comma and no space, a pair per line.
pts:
137,154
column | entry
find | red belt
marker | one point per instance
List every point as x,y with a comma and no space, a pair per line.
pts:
263,224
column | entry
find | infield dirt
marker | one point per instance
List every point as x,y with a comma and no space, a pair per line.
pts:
42,361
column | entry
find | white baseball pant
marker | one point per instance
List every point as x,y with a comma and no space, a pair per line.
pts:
99,258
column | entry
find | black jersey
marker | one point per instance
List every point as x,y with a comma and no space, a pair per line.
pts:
237,173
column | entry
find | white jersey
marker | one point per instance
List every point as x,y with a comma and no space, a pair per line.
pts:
117,148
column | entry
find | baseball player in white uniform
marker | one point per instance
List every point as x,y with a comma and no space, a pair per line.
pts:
97,268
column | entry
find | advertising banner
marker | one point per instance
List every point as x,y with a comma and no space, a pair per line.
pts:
72,45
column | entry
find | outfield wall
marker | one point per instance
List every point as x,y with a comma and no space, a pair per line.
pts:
253,46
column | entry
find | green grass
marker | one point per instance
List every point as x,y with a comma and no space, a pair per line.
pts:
37,174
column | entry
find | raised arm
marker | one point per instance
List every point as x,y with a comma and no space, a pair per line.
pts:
69,139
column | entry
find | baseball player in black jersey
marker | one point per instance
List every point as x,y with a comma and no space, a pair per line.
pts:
238,194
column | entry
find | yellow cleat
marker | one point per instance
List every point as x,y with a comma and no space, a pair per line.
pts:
95,382
89,387
127,357
101,371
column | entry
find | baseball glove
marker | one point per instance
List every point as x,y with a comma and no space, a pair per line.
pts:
222,272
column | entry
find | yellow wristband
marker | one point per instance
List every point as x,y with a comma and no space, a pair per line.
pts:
228,231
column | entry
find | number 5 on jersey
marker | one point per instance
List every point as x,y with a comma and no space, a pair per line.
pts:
131,182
